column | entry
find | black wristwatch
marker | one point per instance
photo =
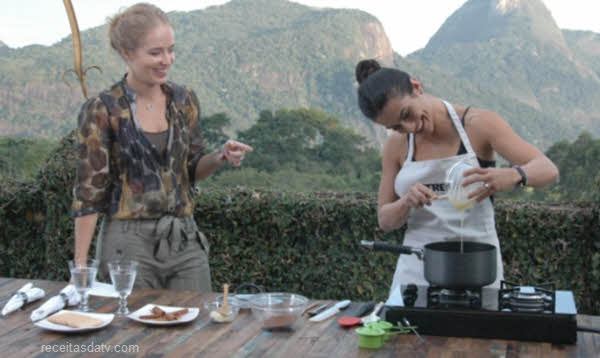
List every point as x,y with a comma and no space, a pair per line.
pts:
523,181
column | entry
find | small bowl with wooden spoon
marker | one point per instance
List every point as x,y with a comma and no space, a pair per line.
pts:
220,310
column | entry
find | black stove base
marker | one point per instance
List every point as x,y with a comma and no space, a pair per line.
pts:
537,327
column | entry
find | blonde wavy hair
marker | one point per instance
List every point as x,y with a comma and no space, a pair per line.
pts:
128,27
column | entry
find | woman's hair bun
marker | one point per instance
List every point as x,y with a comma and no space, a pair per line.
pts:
365,68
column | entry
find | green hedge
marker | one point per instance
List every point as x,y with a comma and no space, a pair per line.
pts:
306,243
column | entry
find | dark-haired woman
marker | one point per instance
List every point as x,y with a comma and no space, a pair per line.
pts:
140,150
428,136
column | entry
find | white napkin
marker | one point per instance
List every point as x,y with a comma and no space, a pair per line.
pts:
68,296
103,289
395,298
25,294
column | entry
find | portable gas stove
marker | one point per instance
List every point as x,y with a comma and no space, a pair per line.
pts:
528,313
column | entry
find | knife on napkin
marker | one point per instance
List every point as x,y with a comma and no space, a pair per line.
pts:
333,310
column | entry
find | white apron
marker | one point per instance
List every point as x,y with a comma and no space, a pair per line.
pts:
440,221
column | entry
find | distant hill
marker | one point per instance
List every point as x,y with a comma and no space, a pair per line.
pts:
244,56
585,45
537,127
514,49
3,48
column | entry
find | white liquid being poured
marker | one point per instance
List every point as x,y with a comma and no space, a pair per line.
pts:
462,206
459,195
462,220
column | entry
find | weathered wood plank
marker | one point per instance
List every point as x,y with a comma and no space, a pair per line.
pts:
244,337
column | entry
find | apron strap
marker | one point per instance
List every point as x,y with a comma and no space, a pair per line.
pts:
411,148
459,128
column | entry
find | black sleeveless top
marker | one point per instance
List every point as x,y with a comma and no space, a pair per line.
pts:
482,162
462,150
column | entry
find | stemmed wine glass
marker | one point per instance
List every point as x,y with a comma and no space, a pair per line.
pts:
83,277
122,275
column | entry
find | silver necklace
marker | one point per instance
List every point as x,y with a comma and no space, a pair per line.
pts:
149,107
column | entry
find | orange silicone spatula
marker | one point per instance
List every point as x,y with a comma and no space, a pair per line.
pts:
351,321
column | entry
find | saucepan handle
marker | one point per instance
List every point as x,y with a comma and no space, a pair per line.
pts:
384,246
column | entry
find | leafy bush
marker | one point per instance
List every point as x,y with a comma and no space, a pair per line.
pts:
307,243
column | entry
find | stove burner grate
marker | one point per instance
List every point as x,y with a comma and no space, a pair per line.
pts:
516,298
449,298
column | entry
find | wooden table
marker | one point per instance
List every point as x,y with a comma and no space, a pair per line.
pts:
244,336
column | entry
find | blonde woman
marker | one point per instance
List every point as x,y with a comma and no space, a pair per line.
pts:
140,151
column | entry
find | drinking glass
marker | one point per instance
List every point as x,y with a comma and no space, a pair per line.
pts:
122,275
83,276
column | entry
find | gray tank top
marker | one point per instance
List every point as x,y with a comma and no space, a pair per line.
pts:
158,139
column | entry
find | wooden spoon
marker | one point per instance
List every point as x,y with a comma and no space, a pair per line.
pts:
225,310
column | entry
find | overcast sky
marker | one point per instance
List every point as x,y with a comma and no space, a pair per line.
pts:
408,23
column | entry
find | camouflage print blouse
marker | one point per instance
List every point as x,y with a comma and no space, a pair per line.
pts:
120,173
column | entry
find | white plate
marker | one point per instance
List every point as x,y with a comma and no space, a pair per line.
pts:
105,317
147,310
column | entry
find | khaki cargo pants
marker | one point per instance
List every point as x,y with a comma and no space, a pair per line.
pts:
172,253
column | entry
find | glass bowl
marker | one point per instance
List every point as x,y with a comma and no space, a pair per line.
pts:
213,306
232,299
278,310
242,300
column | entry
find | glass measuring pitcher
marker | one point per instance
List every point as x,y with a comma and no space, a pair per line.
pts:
457,194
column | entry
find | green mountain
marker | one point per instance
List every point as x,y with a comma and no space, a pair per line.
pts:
513,48
241,58
245,56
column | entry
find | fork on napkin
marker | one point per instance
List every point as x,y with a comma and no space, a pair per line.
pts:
23,296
